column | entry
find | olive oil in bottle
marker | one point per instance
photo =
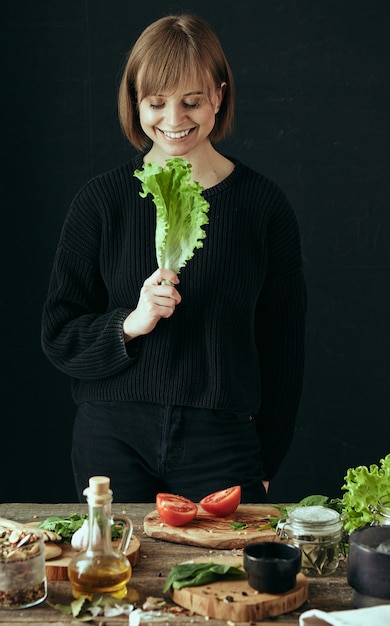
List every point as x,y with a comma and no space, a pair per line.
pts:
101,569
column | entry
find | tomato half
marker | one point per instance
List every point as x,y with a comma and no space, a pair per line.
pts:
222,503
175,510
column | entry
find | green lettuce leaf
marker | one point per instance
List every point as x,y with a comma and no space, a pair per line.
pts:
181,211
363,486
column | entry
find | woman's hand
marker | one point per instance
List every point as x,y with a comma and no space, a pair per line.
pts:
156,301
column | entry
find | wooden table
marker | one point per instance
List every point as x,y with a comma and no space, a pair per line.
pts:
156,559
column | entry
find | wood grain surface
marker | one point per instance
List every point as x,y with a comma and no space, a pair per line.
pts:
326,593
209,531
236,601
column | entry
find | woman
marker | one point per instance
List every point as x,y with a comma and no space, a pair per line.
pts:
189,387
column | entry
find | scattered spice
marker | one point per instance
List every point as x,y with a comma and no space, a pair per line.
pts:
23,597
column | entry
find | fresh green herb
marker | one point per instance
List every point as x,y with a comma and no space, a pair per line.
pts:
238,525
195,574
181,211
272,522
314,500
64,526
67,526
363,487
265,526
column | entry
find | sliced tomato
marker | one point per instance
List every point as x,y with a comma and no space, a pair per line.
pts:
175,510
222,503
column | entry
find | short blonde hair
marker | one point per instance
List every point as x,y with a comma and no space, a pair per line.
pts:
166,54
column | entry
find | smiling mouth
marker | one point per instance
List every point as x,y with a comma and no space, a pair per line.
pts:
177,135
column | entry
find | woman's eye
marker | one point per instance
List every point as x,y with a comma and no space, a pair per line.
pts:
186,105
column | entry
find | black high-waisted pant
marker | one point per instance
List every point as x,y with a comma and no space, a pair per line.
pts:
148,448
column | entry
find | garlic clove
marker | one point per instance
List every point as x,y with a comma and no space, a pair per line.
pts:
80,537
97,540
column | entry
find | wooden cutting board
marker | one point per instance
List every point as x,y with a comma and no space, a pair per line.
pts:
209,531
57,568
236,601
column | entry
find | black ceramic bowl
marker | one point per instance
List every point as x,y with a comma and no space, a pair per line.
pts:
272,567
368,569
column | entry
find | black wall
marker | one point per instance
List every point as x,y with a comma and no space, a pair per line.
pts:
313,101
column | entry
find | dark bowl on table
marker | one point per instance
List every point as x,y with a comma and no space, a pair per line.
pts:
369,569
272,567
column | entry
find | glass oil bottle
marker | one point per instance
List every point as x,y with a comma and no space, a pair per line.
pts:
101,568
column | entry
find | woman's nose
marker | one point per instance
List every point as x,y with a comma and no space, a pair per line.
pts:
173,114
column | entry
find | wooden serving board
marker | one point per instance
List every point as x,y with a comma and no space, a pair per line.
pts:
236,601
57,568
209,531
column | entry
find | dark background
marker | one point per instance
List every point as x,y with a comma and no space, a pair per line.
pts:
313,102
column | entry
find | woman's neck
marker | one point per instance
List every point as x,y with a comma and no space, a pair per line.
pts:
209,167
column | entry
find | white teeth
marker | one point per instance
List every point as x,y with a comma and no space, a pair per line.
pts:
182,133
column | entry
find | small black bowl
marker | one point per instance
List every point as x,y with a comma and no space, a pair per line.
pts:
272,567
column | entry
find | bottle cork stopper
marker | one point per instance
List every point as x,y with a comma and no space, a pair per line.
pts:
99,489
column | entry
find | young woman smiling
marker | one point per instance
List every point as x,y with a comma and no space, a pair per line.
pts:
180,124
192,387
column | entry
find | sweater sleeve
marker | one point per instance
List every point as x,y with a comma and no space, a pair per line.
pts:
79,334
280,333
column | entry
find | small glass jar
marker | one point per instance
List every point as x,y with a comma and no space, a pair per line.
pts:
317,531
22,567
381,511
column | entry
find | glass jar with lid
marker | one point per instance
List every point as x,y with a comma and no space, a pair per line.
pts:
317,531
381,511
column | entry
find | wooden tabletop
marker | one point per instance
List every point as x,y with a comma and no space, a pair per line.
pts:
156,559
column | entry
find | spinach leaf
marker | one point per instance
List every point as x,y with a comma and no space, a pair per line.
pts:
195,574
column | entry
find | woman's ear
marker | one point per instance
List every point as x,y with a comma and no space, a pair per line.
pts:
220,93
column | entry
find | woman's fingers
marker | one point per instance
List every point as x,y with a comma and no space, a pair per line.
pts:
157,300
161,275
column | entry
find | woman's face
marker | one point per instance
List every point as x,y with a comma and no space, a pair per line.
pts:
180,123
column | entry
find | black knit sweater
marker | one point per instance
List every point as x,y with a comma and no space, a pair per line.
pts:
235,342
